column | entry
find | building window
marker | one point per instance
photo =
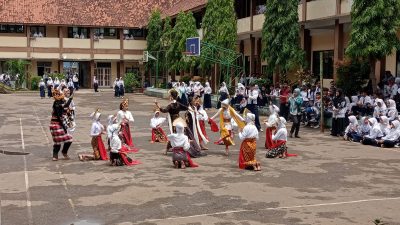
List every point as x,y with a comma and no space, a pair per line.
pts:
38,31
134,70
108,33
78,32
131,34
11,28
327,63
43,68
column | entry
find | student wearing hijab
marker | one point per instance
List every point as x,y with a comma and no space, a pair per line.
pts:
363,129
392,138
392,114
42,89
380,108
375,133
384,123
351,129
271,125
207,97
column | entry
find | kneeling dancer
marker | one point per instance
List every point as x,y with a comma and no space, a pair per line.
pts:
180,145
99,151
118,151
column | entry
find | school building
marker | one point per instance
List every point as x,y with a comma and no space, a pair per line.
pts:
106,38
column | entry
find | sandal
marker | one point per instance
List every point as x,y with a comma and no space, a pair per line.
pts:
55,159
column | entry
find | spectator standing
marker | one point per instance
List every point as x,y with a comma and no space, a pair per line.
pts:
284,105
95,84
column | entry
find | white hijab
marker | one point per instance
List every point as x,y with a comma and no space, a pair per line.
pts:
179,139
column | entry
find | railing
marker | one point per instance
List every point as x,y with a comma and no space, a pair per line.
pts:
13,41
243,25
76,43
107,44
258,22
135,44
44,42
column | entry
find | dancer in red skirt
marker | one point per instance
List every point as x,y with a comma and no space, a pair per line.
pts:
99,151
124,117
157,133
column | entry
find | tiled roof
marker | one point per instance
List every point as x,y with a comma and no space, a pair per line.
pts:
183,5
114,13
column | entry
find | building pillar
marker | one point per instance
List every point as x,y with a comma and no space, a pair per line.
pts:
252,55
91,45
338,49
259,49
121,69
121,43
304,10
252,9
60,37
383,68
28,40
92,68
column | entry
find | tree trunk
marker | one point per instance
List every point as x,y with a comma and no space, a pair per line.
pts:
372,76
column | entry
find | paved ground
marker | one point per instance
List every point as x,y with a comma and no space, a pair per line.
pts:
331,182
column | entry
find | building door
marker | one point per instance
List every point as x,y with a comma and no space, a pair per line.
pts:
103,74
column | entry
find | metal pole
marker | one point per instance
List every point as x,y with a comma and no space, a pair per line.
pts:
321,80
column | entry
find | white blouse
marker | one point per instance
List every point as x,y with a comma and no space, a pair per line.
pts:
115,141
249,131
97,128
124,115
281,134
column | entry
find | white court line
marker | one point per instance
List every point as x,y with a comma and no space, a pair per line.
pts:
274,208
28,194
63,180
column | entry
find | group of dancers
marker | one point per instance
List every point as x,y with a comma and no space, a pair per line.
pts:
187,136
119,139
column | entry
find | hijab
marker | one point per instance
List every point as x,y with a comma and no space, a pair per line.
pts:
179,139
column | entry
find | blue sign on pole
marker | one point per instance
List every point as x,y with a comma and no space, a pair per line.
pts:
193,46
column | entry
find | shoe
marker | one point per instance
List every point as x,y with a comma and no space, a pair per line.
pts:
297,136
261,130
291,135
316,127
397,146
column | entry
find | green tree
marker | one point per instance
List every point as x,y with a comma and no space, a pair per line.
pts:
185,27
17,71
166,40
373,32
219,28
280,37
154,36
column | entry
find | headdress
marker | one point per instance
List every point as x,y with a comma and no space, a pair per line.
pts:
96,114
250,117
179,121
57,94
124,103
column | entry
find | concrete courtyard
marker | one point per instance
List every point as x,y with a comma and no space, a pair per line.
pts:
331,181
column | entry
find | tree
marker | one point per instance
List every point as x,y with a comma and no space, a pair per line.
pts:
373,32
17,71
166,40
185,27
280,37
219,28
154,35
